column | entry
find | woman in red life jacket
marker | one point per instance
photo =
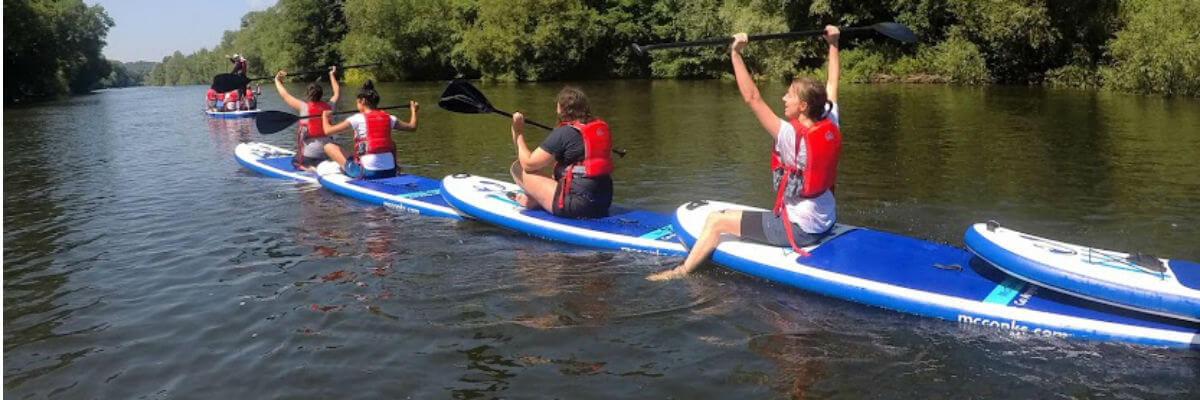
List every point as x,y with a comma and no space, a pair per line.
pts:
310,137
580,150
374,151
250,99
211,99
231,100
804,162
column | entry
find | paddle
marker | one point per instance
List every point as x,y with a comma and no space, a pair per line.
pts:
889,29
226,82
272,121
461,97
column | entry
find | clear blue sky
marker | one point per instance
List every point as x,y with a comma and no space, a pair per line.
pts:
148,30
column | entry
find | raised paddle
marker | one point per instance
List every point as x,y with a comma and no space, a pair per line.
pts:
226,82
272,121
461,97
889,29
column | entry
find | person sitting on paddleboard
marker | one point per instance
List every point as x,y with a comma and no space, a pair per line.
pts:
374,150
231,100
804,162
310,137
211,98
580,149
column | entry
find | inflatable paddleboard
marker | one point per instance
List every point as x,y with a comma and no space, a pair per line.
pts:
233,114
934,280
272,161
624,229
1139,282
404,193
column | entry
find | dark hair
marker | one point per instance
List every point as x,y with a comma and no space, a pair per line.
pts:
574,105
368,95
812,93
314,92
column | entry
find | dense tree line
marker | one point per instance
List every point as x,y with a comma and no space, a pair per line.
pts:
52,48
1133,45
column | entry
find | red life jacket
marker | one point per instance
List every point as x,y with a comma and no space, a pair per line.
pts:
597,154
249,94
231,96
378,139
211,95
311,128
822,145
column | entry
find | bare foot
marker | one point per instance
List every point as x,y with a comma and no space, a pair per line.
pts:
522,199
673,273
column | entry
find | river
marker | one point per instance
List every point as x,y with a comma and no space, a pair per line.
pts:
141,261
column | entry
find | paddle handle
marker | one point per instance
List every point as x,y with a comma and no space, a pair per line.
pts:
641,49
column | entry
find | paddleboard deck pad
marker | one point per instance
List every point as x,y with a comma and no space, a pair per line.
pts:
934,280
272,161
487,199
233,114
1138,282
405,193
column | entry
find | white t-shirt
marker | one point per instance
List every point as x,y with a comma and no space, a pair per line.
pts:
374,162
813,215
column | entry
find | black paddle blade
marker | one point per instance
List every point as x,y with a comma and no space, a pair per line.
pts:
229,82
461,97
271,121
895,31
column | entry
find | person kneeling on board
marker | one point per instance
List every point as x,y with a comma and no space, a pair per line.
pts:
311,138
212,100
374,150
580,149
804,163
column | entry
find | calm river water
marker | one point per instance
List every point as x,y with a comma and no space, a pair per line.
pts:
141,261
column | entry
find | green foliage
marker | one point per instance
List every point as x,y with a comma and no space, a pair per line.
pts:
1158,50
52,48
1057,42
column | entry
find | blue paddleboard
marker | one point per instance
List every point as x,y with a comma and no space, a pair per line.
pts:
1138,282
233,114
404,193
272,161
624,229
934,280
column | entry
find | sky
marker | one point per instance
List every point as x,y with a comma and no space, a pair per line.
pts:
148,30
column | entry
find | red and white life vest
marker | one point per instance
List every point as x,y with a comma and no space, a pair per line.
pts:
311,128
823,146
597,154
231,96
378,139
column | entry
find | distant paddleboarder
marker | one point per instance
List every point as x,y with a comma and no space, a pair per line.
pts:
807,144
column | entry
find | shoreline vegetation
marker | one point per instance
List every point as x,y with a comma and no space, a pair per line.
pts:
1139,46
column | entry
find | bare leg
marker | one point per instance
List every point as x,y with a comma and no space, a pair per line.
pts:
335,153
539,189
724,221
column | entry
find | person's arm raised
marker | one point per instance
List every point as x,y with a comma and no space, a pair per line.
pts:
411,125
832,33
283,93
337,89
750,94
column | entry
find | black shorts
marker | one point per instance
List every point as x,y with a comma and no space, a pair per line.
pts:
768,228
588,198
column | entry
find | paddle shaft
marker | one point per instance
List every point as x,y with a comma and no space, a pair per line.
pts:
258,78
752,38
354,111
